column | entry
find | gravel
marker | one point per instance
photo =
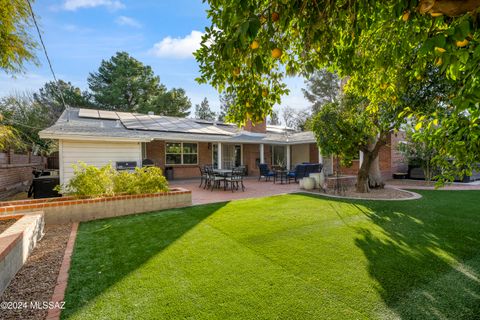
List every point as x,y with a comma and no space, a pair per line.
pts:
36,280
385,193
4,224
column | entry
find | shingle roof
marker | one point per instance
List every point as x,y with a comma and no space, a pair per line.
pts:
85,124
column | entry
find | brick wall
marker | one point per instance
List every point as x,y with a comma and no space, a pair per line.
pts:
156,153
313,153
16,171
251,152
70,209
390,159
399,164
260,127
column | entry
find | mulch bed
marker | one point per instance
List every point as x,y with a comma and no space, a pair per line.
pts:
4,224
37,278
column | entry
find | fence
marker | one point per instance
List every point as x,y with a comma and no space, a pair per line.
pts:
16,171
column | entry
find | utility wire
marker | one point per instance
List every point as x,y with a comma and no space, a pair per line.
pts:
46,55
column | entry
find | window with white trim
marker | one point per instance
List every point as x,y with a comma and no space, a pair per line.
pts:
181,153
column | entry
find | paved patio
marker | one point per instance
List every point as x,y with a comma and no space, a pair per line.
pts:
253,189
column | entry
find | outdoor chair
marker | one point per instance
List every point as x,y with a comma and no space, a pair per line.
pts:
265,172
203,176
236,178
297,173
213,180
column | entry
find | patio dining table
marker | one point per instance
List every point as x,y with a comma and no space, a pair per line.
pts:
223,172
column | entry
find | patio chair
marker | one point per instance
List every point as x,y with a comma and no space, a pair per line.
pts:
203,176
213,180
265,172
236,178
297,173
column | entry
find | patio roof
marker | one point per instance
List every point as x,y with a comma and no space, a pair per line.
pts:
89,124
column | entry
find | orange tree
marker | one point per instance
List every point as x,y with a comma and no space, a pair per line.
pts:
379,46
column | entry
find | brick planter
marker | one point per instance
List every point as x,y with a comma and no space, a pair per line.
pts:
16,244
69,209
344,181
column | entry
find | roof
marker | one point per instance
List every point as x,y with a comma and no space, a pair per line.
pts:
89,124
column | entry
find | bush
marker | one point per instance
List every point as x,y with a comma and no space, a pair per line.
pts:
143,180
91,181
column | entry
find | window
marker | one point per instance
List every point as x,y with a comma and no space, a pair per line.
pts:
181,153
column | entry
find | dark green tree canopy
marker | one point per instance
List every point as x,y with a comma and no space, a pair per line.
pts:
174,103
203,111
53,96
227,100
123,83
322,87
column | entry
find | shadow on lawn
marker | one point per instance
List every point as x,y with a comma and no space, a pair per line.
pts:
126,243
424,254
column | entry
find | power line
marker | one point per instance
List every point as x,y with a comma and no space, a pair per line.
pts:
46,54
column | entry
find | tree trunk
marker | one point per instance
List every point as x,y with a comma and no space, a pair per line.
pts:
369,175
375,179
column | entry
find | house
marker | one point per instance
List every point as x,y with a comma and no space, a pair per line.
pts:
98,137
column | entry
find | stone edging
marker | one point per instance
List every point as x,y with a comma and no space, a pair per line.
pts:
413,196
61,286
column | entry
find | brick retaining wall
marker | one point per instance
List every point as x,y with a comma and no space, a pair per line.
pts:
16,244
69,209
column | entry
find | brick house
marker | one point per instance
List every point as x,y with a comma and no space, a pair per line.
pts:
98,137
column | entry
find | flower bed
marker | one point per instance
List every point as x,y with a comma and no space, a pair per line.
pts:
71,209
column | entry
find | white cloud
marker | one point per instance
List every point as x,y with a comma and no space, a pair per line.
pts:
73,5
127,21
179,48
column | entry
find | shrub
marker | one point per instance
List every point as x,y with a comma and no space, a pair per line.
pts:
92,181
143,180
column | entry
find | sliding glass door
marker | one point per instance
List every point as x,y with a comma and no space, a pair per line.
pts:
231,155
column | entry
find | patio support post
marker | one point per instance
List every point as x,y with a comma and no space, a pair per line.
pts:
320,157
360,157
262,154
219,156
288,158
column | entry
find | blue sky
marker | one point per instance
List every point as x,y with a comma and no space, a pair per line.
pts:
163,33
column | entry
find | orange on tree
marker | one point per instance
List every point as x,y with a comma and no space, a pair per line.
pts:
462,43
254,45
275,16
277,53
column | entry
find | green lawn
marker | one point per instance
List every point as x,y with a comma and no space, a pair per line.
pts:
283,257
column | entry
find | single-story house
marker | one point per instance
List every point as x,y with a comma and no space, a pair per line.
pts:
99,137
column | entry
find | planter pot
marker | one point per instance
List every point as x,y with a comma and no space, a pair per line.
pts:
308,183
318,179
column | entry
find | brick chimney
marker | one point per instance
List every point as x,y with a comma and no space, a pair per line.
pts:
260,127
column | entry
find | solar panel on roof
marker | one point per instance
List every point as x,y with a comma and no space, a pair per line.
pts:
109,115
88,113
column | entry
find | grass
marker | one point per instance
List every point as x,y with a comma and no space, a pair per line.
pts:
283,257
